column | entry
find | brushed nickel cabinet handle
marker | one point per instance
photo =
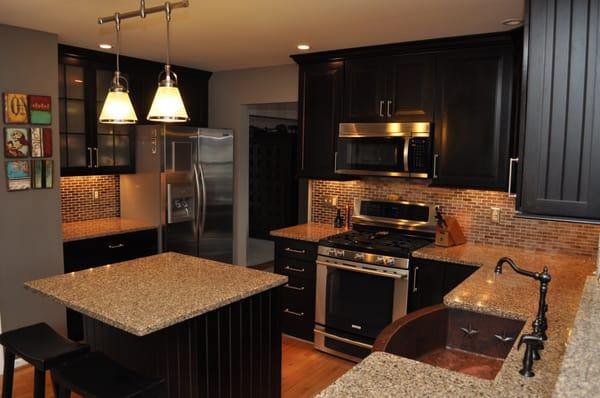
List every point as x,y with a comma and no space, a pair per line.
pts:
290,250
415,280
96,152
288,311
89,165
389,112
288,286
435,161
511,162
118,246
381,108
294,269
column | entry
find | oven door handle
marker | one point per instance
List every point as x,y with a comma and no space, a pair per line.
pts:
343,339
362,270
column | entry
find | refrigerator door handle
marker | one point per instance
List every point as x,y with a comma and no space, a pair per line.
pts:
203,217
197,210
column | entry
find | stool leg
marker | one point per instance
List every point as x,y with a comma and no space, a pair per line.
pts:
39,384
9,370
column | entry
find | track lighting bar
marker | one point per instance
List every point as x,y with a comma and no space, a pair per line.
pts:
143,11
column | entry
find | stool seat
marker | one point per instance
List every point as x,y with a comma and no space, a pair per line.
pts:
41,346
96,375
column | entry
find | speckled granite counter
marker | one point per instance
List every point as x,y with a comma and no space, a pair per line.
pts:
79,230
311,232
151,293
580,370
508,294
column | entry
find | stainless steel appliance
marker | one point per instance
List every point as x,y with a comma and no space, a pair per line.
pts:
184,184
363,275
384,149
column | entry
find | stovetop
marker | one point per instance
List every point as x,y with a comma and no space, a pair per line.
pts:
385,242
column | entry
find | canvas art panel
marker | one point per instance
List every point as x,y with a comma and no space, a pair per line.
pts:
42,174
15,108
16,142
41,142
40,109
18,175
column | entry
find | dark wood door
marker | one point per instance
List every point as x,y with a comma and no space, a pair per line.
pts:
473,115
560,143
410,88
426,284
320,109
365,90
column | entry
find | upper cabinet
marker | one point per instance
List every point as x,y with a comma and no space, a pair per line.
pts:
89,147
386,89
559,155
473,118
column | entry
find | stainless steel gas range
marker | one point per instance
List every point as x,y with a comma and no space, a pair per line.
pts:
363,275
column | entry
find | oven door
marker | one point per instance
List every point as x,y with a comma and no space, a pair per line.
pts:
385,156
354,303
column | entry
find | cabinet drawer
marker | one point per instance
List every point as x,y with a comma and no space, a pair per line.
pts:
298,292
297,249
298,321
295,268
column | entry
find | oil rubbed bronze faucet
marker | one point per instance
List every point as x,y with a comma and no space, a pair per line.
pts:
534,341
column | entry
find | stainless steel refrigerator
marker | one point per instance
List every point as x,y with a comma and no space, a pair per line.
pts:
184,185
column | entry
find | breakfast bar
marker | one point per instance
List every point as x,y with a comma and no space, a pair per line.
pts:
206,328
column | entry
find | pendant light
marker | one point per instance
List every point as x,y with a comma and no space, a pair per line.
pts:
117,108
167,106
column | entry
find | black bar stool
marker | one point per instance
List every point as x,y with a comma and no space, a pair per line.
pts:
94,375
42,347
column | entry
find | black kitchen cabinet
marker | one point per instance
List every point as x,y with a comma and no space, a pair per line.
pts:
92,148
559,164
473,118
297,260
320,108
385,89
431,280
83,254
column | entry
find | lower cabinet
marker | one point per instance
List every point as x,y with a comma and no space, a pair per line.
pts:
296,259
89,253
430,281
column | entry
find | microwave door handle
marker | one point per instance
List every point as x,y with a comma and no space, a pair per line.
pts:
405,154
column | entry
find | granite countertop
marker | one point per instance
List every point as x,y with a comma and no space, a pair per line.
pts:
311,232
580,370
79,230
508,294
151,293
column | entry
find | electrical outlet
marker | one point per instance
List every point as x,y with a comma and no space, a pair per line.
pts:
331,200
495,215
95,193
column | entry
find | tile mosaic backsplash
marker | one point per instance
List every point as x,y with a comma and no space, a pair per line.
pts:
77,200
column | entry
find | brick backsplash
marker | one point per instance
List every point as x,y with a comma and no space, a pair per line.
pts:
78,203
472,209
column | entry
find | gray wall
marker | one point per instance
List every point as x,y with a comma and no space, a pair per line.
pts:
30,226
230,95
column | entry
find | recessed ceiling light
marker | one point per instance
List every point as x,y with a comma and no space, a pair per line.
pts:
105,46
512,22
303,47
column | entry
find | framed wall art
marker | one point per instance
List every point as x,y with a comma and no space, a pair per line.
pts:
16,142
40,109
42,173
41,142
15,108
18,175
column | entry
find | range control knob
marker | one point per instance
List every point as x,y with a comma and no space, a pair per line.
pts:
389,261
379,259
331,252
339,253
359,256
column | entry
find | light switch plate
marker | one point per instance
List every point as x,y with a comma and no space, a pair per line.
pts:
331,200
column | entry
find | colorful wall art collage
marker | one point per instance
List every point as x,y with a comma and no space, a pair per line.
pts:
22,143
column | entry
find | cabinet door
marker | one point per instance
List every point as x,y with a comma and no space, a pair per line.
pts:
426,283
455,274
365,90
472,130
410,89
320,110
560,160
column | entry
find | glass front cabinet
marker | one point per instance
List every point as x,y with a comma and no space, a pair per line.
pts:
88,147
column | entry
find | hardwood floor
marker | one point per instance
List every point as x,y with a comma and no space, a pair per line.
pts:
305,372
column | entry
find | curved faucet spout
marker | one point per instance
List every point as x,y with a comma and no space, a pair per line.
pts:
543,277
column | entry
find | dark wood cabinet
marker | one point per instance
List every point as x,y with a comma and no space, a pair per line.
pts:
430,281
297,260
320,108
80,255
385,89
559,164
473,118
91,148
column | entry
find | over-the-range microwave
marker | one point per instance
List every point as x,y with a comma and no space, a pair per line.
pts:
385,149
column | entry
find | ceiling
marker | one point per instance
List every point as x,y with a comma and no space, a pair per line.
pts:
236,34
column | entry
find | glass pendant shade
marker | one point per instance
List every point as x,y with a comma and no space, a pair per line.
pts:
167,106
117,108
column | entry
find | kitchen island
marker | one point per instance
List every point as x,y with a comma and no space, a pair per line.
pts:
207,328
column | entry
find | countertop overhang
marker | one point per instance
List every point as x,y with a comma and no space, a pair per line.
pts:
152,293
